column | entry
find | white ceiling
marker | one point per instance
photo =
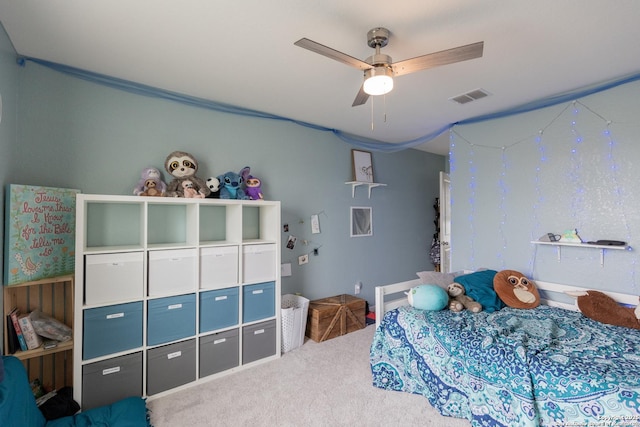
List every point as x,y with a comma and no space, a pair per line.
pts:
242,52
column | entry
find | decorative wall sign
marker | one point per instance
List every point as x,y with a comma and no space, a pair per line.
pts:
39,233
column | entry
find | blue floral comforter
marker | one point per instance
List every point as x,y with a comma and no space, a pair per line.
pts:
546,366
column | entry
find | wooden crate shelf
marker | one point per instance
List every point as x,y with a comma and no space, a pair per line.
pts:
54,297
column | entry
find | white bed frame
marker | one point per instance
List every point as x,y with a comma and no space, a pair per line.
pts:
384,304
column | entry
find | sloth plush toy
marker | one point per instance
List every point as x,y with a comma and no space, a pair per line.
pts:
182,167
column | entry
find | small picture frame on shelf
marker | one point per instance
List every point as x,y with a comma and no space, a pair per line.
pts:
362,166
361,221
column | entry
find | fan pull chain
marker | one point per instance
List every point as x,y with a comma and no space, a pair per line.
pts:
372,127
384,101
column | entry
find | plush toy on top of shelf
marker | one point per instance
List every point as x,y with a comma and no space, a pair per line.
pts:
214,187
254,188
231,184
182,166
150,183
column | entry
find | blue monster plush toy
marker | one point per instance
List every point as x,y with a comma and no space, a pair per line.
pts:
428,297
231,184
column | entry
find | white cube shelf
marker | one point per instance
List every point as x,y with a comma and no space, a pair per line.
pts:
175,248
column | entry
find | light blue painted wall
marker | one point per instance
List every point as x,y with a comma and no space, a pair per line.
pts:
74,133
8,133
512,183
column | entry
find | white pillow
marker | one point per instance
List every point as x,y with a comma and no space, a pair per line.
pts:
437,278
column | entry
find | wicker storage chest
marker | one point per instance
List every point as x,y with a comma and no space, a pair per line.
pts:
334,316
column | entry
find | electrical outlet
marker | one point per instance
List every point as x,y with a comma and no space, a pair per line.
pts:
358,287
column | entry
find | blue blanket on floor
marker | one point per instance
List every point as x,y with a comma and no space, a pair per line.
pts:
18,406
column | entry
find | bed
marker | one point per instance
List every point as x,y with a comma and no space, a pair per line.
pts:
546,366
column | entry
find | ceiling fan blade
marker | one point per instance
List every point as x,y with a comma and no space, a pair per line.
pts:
444,57
361,97
332,53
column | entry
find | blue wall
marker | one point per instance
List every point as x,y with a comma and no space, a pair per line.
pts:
8,133
571,166
78,134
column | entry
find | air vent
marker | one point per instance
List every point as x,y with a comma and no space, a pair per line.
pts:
470,96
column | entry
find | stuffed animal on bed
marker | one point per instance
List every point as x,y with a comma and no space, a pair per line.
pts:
182,166
459,300
232,183
428,297
150,177
601,307
515,290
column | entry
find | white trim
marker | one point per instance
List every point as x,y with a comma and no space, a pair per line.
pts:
382,305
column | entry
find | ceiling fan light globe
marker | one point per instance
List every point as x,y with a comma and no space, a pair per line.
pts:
378,81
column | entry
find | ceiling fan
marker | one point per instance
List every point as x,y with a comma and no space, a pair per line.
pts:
379,70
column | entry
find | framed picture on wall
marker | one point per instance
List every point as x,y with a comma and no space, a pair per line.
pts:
362,166
361,221
39,233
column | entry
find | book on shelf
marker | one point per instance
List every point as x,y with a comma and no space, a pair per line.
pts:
16,325
13,344
32,339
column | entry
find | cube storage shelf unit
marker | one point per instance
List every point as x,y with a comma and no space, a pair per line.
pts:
54,297
172,292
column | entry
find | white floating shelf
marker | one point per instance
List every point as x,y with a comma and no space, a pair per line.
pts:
601,248
371,185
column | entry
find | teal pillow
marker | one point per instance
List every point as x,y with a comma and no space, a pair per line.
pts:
479,286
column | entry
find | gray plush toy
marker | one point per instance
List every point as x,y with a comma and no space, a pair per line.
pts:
182,166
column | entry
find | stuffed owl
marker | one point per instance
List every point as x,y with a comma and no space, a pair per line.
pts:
182,167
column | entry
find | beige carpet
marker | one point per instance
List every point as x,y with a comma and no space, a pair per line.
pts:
317,384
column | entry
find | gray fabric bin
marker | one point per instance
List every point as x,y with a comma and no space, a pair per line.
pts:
171,366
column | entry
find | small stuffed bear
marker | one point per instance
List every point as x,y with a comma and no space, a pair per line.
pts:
232,184
183,166
254,188
459,301
147,174
214,187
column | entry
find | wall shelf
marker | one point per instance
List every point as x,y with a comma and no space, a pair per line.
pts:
601,248
370,185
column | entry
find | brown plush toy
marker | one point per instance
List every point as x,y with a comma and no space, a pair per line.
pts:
515,290
459,301
601,307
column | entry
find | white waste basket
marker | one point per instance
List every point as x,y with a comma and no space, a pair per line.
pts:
294,321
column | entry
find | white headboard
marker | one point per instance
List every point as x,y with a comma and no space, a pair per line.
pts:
386,300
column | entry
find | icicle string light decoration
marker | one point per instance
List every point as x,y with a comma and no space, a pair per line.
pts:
575,175
503,211
538,202
575,172
619,195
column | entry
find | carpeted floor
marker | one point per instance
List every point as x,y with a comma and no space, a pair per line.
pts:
318,384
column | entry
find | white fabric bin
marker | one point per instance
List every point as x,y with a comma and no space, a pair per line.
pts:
294,321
